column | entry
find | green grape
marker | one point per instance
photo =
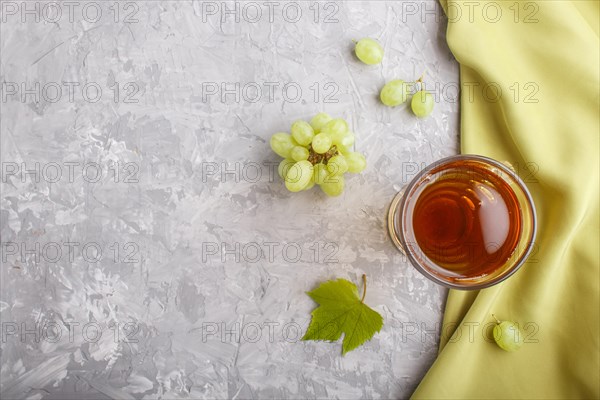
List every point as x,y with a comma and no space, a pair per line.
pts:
310,185
356,162
394,93
302,132
319,121
299,176
369,51
321,143
320,174
345,140
333,187
342,149
422,103
348,140
282,144
508,335
284,167
336,127
299,153
337,165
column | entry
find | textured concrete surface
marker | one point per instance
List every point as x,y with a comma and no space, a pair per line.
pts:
147,249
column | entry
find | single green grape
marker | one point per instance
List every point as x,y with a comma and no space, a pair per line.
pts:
508,335
337,165
320,173
299,176
348,140
299,153
284,167
302,132
333,186
422,103
356,162
336,127
394,93
369,51
319,121
282,144
321,143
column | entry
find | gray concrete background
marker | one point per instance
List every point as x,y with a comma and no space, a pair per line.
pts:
147,250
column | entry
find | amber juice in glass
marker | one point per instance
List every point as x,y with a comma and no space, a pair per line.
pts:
465,222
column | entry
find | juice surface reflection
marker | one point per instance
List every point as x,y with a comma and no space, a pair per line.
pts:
467,220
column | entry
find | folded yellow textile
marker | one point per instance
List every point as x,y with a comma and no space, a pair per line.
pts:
530,95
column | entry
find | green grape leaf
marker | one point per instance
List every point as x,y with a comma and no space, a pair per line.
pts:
341,310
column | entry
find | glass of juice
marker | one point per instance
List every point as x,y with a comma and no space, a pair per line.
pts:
466,222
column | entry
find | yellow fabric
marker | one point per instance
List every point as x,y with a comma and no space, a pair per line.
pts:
558,290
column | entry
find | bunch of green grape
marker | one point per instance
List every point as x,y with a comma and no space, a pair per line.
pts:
395,92
317,153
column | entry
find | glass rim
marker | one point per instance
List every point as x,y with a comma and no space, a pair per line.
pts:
400,209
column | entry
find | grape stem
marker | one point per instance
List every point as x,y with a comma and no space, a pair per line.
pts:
364,279
420,80
497,320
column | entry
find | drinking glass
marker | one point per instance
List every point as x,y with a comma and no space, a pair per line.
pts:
477,171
